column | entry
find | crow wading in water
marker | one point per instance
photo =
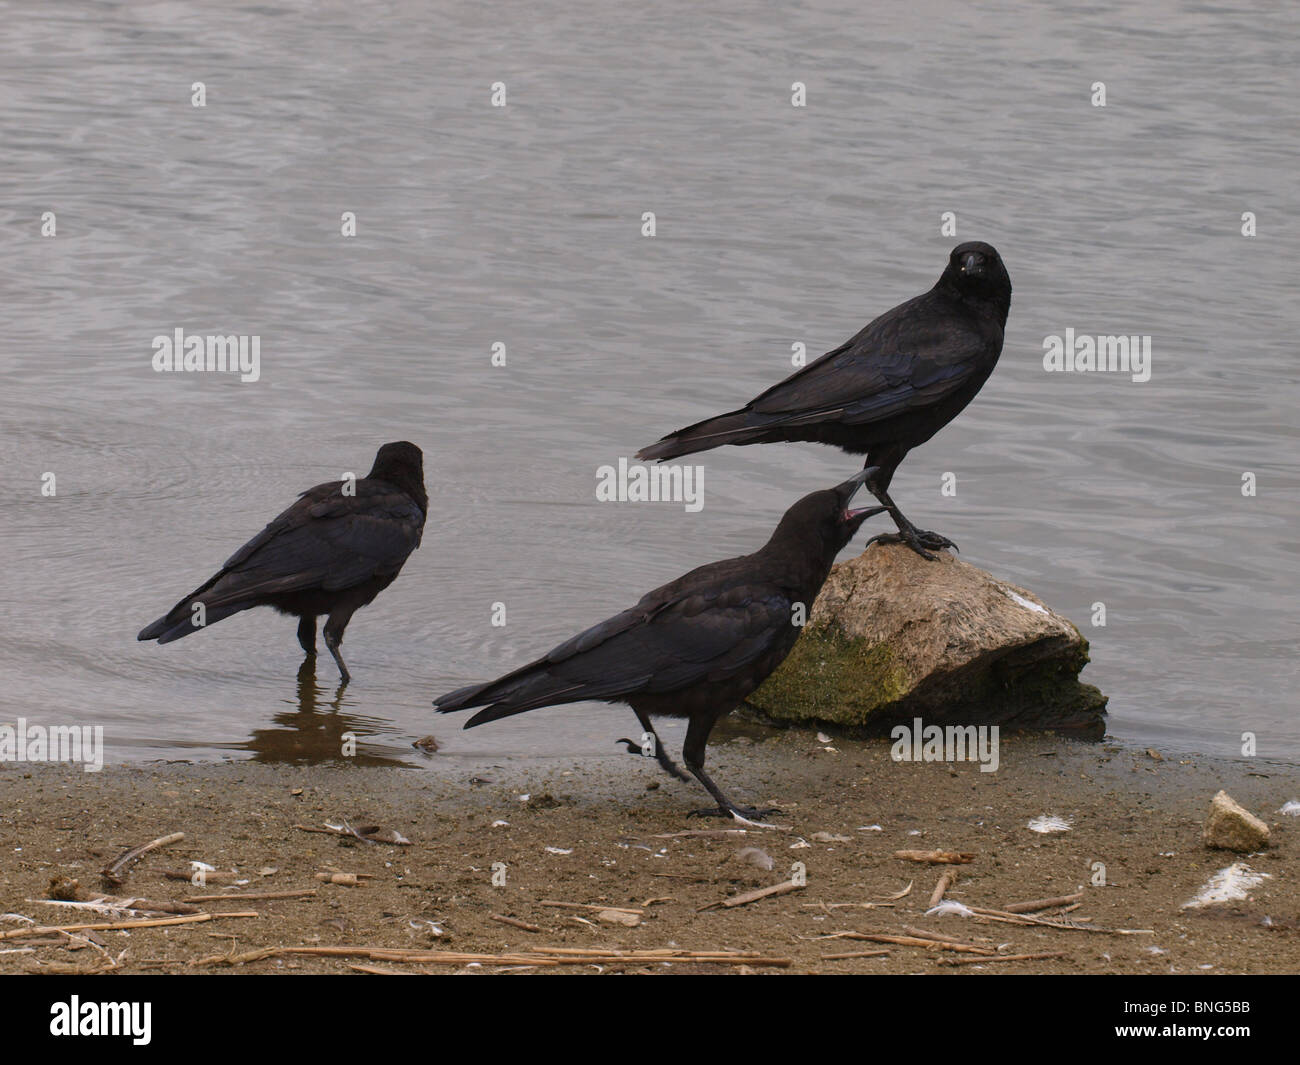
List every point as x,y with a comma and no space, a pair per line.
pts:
885,391
330,553
694,648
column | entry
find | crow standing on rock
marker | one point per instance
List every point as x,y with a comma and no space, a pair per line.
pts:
696,647
888,389
330,553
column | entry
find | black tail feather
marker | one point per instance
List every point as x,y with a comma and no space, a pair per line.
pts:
529,689
178,622
731,428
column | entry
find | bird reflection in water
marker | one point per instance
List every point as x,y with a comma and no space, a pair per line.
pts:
316,730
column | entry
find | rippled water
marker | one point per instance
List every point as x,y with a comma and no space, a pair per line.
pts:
522,225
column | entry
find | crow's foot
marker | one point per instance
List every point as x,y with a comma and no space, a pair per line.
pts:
917,539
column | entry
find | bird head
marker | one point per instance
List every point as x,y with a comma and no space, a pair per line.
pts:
823,521
401,464
975,271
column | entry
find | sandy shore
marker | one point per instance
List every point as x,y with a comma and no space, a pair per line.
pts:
599,833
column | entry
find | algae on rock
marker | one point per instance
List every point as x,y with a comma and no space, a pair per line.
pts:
893,636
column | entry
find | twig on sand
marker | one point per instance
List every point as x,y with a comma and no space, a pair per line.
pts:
1043,904
754,896
1005,957
936,857
104,926
110,906
345,879
940,889
595,907
918,941
513,922
935,937
239,897
1051,922
547,956
60,968
115,872
856,954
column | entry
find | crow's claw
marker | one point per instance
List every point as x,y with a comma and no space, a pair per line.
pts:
917,539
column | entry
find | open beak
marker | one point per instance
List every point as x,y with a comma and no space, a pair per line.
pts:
849,488
864,513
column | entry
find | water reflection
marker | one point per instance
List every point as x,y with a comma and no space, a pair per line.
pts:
318,728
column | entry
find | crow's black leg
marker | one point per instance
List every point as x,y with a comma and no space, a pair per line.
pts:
917,539
307,689
307,634
332,641
693,752
334,638
661,755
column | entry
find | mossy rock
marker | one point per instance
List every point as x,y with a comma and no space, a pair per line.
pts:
893,637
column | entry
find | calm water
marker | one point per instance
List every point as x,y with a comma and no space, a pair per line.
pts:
522,225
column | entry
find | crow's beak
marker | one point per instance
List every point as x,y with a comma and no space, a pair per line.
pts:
849,487
864,513
972,263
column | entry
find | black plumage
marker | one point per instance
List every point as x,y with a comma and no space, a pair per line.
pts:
330,553
887,390
696,647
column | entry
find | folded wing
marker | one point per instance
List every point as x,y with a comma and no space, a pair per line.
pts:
326,540
661,645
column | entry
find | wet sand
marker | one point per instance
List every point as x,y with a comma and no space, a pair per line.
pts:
605,820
